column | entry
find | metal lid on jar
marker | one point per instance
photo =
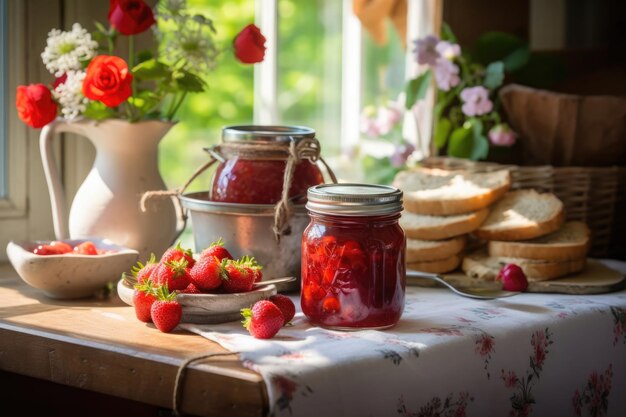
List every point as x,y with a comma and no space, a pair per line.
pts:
354,199
262,133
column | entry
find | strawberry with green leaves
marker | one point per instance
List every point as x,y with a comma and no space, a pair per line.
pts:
263,320
172,274
253,266
207,274
143,298
178,253
285,305
165,312
217,250
238,277
141,272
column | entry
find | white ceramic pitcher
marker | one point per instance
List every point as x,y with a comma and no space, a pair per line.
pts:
107,203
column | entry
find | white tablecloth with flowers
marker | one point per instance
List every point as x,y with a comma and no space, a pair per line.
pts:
528,355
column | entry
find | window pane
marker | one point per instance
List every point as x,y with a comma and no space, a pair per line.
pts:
228,101
309,68
3,97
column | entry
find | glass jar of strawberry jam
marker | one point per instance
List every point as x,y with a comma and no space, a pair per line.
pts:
253,160
353,257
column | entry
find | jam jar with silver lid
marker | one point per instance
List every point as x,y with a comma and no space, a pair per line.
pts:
353,257
253,160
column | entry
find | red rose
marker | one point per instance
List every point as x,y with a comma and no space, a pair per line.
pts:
35,106
130,17
108,80
250,45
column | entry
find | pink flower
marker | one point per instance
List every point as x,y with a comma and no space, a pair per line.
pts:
540,344
476,101
425,50
502,135
388,116
446,74
448,50
401,154
368,123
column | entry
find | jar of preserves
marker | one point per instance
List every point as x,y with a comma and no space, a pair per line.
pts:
353,257
253,161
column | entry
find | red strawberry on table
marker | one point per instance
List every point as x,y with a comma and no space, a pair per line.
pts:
216,249
142,272
207,273
143,298
238,278
513,278
263,320
172,274
177,253
166,312
285,305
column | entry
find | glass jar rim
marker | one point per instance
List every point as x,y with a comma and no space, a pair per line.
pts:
353,199
266,133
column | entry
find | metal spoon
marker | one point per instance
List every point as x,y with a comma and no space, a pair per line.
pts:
274,281
481,293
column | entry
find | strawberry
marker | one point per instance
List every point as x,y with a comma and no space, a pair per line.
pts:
172,274
191,289
285,305
143,297
142,272
238,278
166,312
56,247
207,273
216,249
264,320
253,267
513,278
85,248
177,253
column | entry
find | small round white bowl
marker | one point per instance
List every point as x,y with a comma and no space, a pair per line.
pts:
70,276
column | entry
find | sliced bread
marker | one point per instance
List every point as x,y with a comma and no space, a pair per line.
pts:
423,227
479,265
439,192
522,214
440,266
432,250
571,241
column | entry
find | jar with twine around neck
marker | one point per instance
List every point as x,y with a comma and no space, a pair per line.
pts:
262,165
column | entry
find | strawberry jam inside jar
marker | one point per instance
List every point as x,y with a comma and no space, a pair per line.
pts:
253,160
353,257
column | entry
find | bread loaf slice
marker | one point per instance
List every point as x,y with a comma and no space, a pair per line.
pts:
432,250
522,214
479,265
440,266
439,192
423,227
571,241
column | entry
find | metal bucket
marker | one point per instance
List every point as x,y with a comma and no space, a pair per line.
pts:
247,230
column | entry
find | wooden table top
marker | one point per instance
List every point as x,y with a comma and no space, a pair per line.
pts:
99,345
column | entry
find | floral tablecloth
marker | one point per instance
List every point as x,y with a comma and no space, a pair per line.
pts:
528,355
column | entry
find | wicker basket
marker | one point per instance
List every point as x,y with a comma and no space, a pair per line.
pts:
594,195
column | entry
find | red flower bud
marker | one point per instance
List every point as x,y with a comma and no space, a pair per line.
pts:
250,45
108,80
35,106
130,17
